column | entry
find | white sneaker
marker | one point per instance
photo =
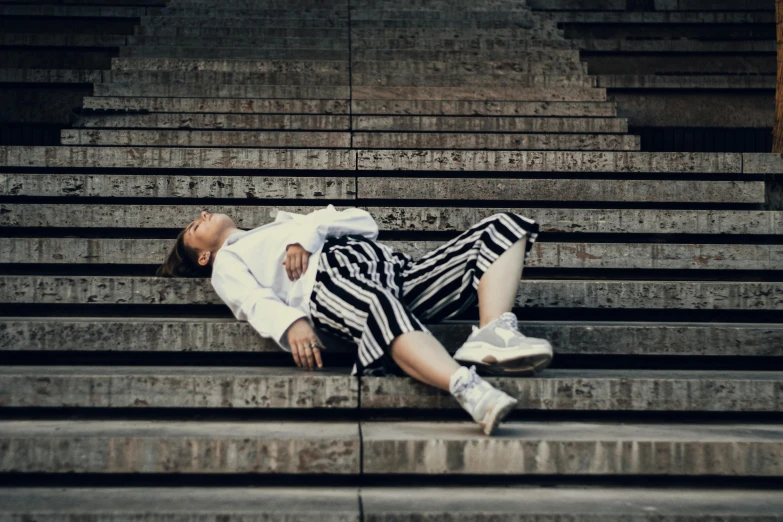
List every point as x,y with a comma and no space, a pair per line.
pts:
500,348
487,405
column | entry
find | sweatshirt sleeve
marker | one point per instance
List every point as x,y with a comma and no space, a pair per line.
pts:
251,302
313,229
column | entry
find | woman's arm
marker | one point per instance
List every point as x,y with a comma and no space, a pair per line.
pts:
313,229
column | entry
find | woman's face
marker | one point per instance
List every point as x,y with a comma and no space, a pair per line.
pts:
204,233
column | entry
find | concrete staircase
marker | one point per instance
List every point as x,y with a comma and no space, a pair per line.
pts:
657,278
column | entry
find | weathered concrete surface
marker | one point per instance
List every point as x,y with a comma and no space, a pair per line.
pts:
561,255
211,105
668,191
547,504
199,138
175,42
470,71
216,121
168,90
674,46
482,108
255,53
568,161
228,335
180,186
469,93
578,80
489,124
671,17
213,504
170,65
762,163
618,81
572,448
130,446
669,295
431,140
425,219
172,387
142,157
601,390
210,32
210,77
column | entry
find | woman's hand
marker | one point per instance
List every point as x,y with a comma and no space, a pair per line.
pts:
305,345
296,258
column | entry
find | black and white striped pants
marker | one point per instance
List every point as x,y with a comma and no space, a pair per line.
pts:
367,294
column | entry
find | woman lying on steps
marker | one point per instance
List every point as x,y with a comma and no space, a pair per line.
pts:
363,292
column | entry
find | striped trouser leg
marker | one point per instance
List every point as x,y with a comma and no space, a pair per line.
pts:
357,296
443,283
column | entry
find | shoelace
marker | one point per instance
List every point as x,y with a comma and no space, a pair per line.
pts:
471,381
508,321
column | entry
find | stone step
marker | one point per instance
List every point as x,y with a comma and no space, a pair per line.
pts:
567,161
219,77
466,67
162,186
429,32
521,69
269,42
177,387
62,40
50,76
691,63
579,390
239,53
664,17
585,255
573,449
695,81
158,157
291,388
75,11
206,31
228,66
401,140
329,92
541,30
178,504
675,46
215,121
462,53
204,334
133,446
484,108
483,189
253,4
261,11
603,294
396,218
556,49
257,106
525,124
292,21
456,80
179,138
539,93
710,5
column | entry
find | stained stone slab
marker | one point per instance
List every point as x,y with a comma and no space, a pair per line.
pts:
716,5
573,448
568,161
431,140
600,390
669,191
571,93
206,138
143,157
575,504
245,78
302,42
459,51
216,121
250,22
131,446
568,63
172,387
561,255
482,108
398,218
578,79
761,163
179,186
670,17
489,124
667,295
496,43
212,105
227,66
244,53
228,335
168,90
696,81
205,31
213,504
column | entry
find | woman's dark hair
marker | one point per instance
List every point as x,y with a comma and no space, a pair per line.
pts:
182,261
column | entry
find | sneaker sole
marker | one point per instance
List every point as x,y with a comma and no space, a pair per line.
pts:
520,367
496,416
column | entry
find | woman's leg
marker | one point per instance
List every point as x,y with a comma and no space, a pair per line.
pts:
497,288
422,357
